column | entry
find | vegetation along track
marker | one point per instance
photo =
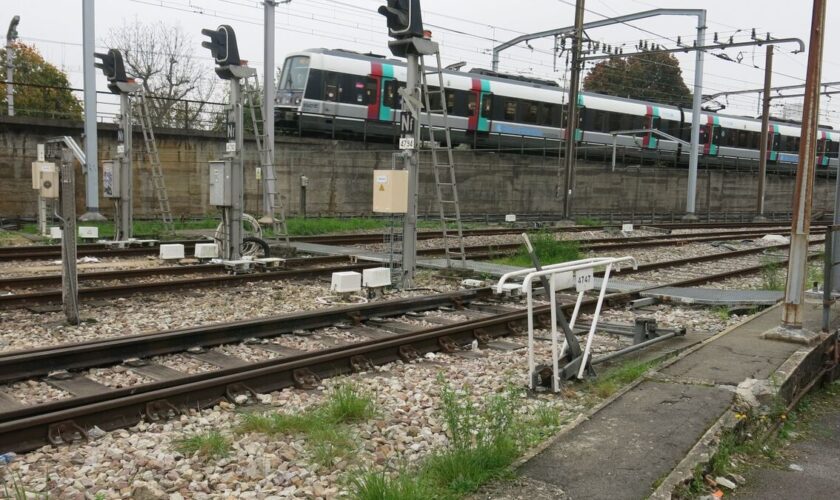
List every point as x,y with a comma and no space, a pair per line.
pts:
24,428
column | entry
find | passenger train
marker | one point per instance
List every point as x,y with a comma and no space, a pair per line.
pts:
342,92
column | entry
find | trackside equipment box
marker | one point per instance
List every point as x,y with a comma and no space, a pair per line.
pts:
390,191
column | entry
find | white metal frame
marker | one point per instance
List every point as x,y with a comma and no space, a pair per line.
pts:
550,272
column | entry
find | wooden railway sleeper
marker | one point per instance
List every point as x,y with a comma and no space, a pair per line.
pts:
305,379
66,432
160,409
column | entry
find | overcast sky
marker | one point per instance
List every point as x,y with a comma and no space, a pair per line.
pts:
466,30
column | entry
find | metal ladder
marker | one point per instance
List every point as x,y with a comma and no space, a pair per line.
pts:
153,156
443,165
253,99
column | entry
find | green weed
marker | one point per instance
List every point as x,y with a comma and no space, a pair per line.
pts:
374,485
549,250
612,380
210,444
588,221
771,274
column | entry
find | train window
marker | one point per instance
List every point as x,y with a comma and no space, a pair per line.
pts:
704,135
725,134
371,91
788,144
546,114
315,85
510,110
293,76
390,94
755,140
614,121
472,104
832,149
352,89
450,102
487,106
531,112
331,88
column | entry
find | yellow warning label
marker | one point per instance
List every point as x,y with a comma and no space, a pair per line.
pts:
381,187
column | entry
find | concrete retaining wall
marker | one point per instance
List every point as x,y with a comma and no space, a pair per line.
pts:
341,179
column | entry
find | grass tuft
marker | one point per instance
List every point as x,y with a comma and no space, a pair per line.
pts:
588,221
374,485
772,276
210,444
323,425
548,249
613,379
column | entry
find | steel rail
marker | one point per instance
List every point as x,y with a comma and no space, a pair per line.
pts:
54,296
53,423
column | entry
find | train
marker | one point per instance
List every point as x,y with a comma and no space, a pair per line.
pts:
341,92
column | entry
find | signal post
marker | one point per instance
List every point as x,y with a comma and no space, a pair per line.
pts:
227,187
405,25
117,174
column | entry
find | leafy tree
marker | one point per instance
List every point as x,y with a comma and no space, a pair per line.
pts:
654,77
40,88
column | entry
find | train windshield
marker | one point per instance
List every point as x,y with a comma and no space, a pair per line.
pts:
294,73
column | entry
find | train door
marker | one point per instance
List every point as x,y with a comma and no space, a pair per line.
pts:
479,106
652,121
774,144
710,136
382,104
822,149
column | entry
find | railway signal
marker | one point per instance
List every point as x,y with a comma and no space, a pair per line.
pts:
222,45
404,18
111,65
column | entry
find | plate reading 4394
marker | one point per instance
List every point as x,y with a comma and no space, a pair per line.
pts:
584,280
406,142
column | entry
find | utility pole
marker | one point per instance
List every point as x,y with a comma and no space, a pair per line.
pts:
572,113
11,36
792,314
90,167
69,278
765,128
694,149
269,176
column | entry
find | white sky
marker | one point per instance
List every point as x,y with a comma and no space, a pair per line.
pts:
465,29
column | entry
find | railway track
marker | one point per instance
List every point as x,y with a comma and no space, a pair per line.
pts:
386,339
47,252
218,280
332,263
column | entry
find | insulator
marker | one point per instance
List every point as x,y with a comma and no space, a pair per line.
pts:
679,40
731,39
753,34
716,37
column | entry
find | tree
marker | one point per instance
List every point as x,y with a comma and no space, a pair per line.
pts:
161,57
654,77
40,88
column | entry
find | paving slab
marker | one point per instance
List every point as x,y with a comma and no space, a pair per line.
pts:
623,449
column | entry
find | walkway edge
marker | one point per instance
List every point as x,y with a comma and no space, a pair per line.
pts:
533,452
793,379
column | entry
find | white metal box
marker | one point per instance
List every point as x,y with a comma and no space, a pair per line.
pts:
510,218
376,277
55,232
111,179
627,228
172,251
49,182
562,281
37,168
88,232
390,191
346,282
220,183
206,251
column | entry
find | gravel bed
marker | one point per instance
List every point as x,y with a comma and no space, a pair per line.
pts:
12,269
245,352
119,317
117,377
407,427
184,364
34,392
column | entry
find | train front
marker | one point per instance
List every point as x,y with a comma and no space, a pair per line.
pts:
290,92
